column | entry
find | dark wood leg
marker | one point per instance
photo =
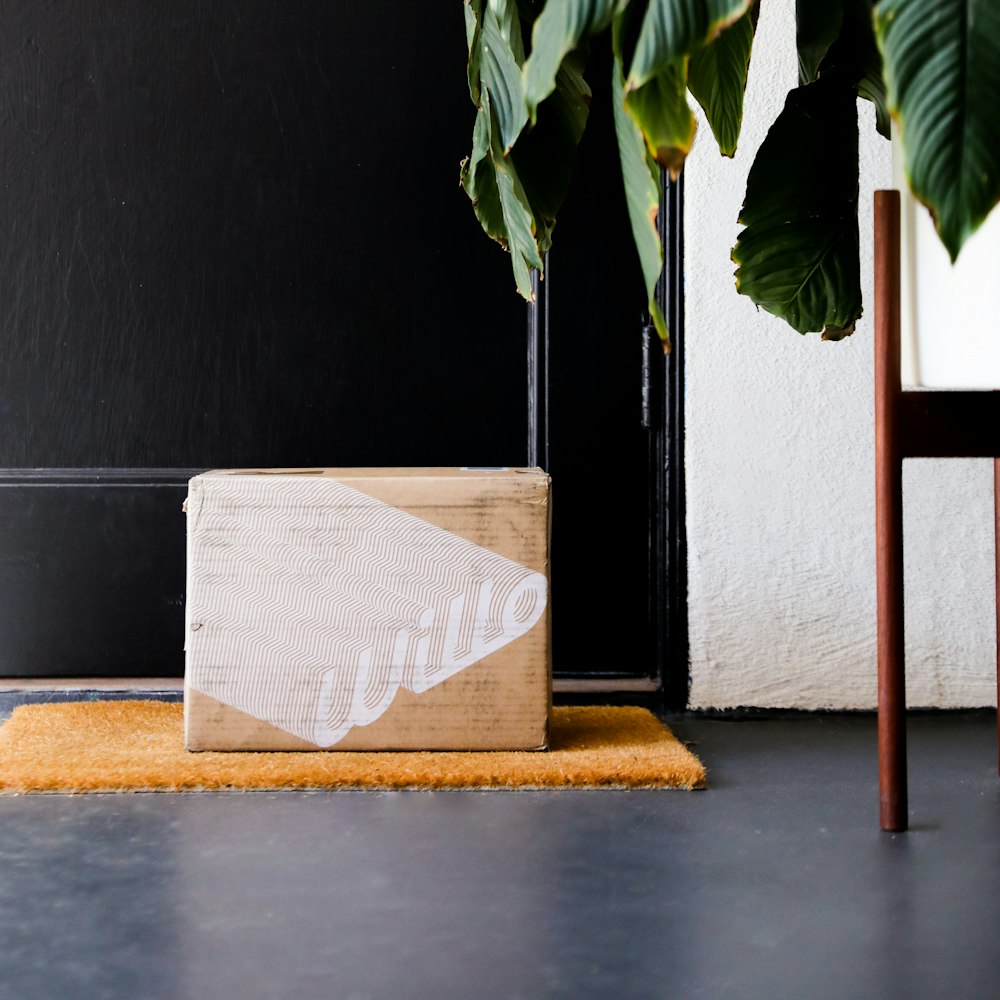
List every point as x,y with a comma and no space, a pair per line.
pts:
889,519
996,548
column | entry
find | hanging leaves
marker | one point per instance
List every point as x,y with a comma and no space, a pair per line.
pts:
942,73
798,255
717,78
642,195
517,186
936,63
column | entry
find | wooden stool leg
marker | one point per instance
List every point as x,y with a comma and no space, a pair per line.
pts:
891,657
889,519
996,547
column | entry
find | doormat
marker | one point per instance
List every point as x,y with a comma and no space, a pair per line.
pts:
138,746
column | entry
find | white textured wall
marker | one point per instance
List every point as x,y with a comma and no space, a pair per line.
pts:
780,490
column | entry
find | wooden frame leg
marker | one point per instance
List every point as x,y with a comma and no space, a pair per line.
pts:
996,546
889,519
891,659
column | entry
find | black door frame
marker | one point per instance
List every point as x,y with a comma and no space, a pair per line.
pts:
660,387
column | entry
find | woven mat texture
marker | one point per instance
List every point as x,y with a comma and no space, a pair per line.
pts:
131,746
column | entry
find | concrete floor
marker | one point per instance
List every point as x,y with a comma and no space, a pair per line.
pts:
774,883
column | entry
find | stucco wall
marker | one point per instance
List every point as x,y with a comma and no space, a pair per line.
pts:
780,490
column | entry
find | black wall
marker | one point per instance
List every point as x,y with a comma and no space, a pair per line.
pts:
231,233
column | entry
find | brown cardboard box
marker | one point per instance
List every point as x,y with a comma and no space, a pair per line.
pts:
368,609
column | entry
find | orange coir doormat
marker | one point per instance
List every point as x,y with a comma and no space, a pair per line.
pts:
138,746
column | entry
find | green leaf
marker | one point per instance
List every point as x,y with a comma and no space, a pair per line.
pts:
520,227
854,58
673,29
717,77
545,155
498,199
798,255
837,39
942,74
642,194
509,21
660,109
817,25
473,12
501,75
872,88
516,179
560,28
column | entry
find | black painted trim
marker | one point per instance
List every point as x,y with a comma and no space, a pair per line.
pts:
675,670
664,411
96,477
538,372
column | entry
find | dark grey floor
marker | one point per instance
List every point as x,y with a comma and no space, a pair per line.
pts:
774,883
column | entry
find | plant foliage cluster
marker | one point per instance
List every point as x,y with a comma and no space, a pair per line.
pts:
932,65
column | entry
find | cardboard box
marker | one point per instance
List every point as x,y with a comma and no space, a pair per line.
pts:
368,609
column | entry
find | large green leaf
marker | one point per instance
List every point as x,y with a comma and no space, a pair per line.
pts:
854,58
673,29
479,179
660,109
817,25
560,28
837,39
500,73
509,22
860,29
642,194
488,174
798,255
520,224
545,154
942,73
498,198
473,31
517,178
717,77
